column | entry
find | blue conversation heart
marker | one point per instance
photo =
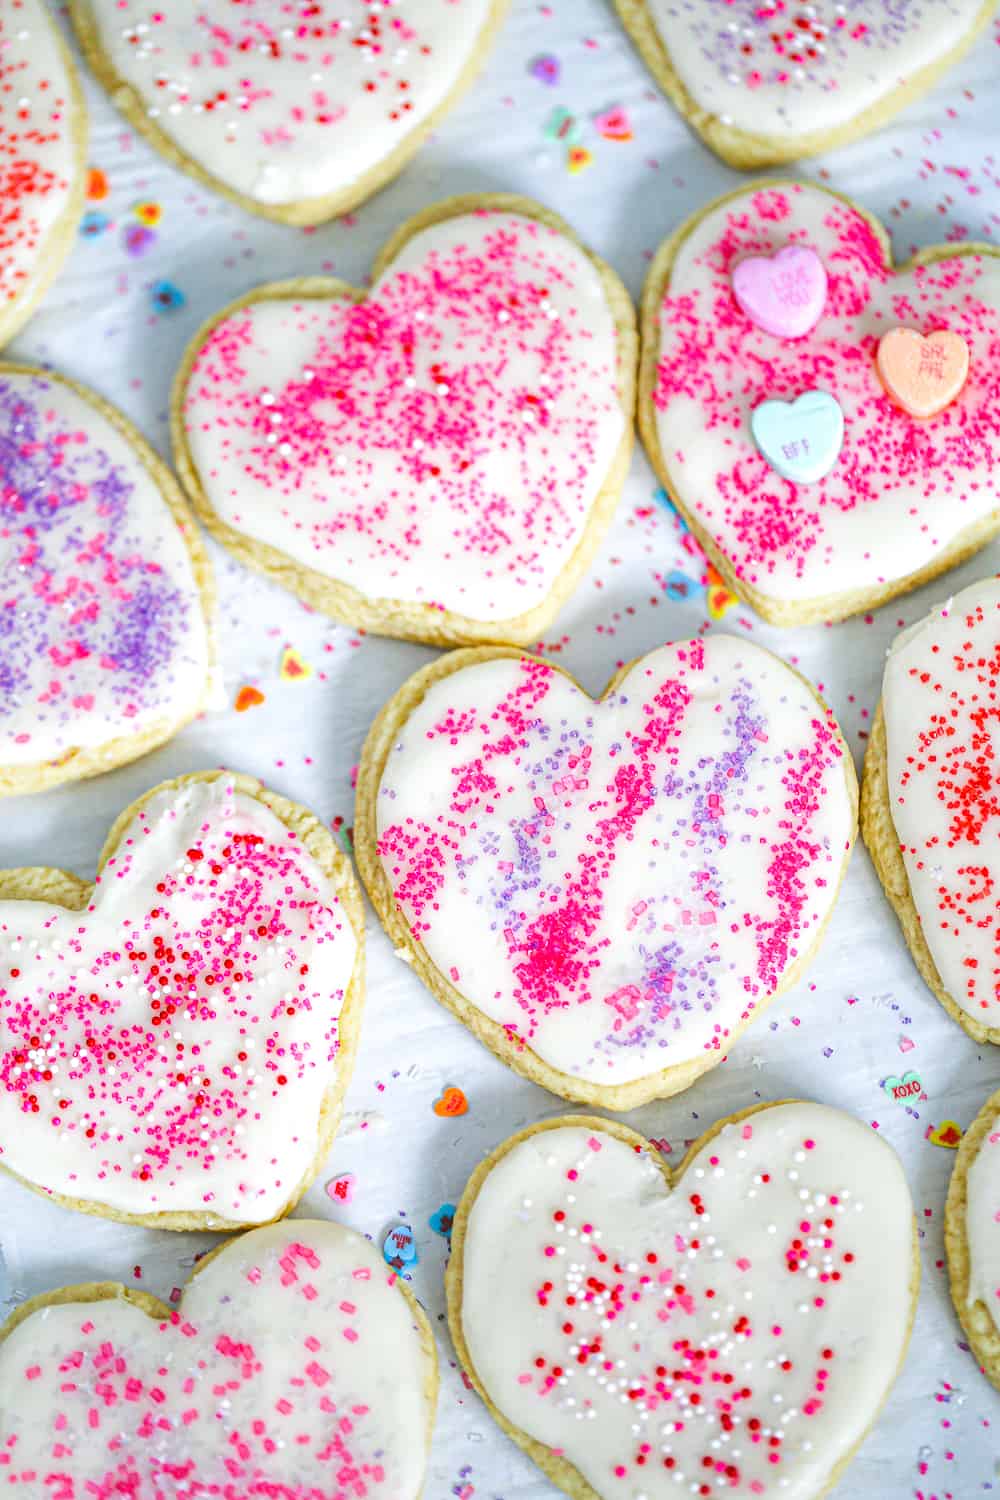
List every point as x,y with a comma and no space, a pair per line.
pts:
399,1247
800,439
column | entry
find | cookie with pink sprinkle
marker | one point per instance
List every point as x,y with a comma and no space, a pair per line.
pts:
827,423
769,83
106,592
607,893
729,1325
43,158
297,112
295,1364
437,458
177,1036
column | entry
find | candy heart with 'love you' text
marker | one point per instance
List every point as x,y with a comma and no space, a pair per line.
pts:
892,498
295,1365
297,113
732,1327
176,1039
607,893
437,459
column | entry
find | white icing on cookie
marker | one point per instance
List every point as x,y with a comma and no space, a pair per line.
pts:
283,101
38,155
170,1048
940,701
797,68
102,627
733,1336
982,1224
619,885
901,489
443,441
293,1366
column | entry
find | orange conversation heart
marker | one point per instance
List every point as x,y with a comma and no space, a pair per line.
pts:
451,1102
922,375
248,697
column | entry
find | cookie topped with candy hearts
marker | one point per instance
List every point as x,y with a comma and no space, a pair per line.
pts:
772,82
43,155
176,1038
827,424
297,111
106,594
731,1328
438,458
607,893
296,1365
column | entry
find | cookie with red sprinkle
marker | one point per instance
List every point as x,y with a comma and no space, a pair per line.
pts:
732,1326
177,1036
928,800
43,158
296,111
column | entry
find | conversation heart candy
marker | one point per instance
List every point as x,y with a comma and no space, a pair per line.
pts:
800,439
907,1087
399,1247
451,1102
785,293
923,375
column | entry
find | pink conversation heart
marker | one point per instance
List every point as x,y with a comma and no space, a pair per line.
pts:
341,1189
785,293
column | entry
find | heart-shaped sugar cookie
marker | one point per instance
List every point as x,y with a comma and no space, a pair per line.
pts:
606,893
929,805
297,111
906,497
295,1365
176,1039
106,595
728,1329
43,158
438,459
766,83
972,1236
